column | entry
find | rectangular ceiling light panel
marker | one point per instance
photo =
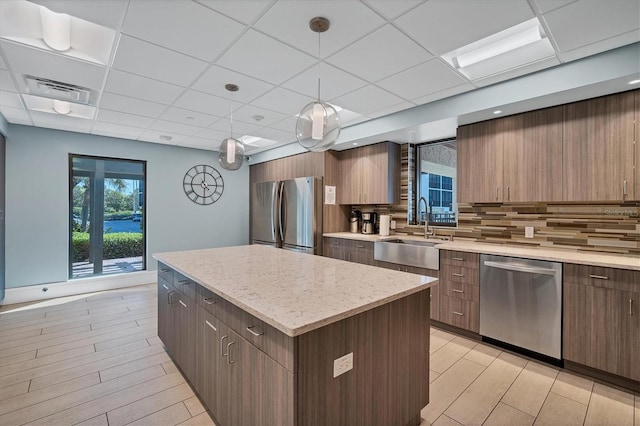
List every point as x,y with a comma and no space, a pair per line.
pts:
514,47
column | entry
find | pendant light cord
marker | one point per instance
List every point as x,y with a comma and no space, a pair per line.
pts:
231,121
318,67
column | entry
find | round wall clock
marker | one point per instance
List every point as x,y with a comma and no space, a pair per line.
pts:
203,184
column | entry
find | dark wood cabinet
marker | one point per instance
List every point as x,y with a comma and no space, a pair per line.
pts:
369,175
460,289
356,251
167,300
601,319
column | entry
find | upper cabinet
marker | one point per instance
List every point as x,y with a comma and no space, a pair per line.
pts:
580,152
598,157
369,175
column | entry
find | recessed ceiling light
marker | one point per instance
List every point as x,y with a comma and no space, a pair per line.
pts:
165,138
61,107
634,82
355,143
497,111
258,117
190,118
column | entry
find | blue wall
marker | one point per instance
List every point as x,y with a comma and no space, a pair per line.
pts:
37,200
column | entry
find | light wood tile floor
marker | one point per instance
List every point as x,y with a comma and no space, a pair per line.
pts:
96,360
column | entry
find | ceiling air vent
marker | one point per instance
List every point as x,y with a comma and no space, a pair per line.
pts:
57,90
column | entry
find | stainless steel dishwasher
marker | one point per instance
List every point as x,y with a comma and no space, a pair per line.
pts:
521,303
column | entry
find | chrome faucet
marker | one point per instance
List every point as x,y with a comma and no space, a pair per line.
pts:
427,232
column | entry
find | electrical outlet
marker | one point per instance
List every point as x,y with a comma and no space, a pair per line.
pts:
528,231
393,224
343,364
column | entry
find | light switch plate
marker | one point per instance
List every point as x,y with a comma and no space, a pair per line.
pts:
393,224
343,364
528,231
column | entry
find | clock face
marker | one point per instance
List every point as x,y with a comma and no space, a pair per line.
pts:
203,184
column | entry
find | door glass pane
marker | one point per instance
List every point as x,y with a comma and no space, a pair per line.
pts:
106,216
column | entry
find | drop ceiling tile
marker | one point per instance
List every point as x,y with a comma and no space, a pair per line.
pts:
150,135
239,127
139,57
600,46
286,125
283,100
16,115
204,103
581,23
190,118
116,130
452,91
61,122
545,6
10,99
390,110
115,117
247,112
135,86
129,105
421,80
214,79
367,100
174,128
244,11
186,27
364,58
288,21
102,12
333,81
3,64
444,25
391,9
215,136
264,58
275,134
27,60
6,82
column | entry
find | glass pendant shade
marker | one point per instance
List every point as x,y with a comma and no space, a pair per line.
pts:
318,126
231,154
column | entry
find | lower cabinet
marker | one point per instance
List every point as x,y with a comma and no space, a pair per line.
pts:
601,319
350,250
167,314
460,289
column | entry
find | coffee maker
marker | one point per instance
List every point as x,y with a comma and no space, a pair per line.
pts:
369,222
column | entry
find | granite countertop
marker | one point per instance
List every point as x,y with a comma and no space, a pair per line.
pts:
293,292
542,253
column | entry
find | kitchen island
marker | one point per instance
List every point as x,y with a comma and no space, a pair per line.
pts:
269,336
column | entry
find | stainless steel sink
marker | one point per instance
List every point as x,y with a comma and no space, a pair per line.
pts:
422,254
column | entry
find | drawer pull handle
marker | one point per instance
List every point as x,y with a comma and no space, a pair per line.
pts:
250,330
164,270
360,246
165,287
222,346
229,352
182,303
599,277
211,325
457,275
209,300
183,282
457,313
457,291
630,306
459,259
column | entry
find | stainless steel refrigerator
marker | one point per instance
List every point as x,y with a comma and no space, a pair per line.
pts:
288,214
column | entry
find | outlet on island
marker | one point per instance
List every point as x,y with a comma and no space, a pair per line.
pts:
528,231
343,364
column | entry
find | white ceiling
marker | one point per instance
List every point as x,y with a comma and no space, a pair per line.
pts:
170,59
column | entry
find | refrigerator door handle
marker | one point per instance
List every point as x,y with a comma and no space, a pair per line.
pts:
280,210
274,211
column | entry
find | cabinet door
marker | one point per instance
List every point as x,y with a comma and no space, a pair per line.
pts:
479,168
576,323
349,178
598,134
165,326
185,335
380,164
533,156
360,252
210,363
333,248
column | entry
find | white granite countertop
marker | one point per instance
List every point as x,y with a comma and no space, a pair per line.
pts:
541,253
293,292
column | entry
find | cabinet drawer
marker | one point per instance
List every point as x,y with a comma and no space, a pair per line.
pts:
459,313
461,291
458,274
165,272
598,276
209,301
460,258
184,285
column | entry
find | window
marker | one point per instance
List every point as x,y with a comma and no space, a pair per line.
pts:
436,183
106,216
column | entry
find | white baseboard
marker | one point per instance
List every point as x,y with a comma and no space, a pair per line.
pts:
80,286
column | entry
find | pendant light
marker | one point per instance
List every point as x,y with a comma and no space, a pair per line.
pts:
318,125
231,152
